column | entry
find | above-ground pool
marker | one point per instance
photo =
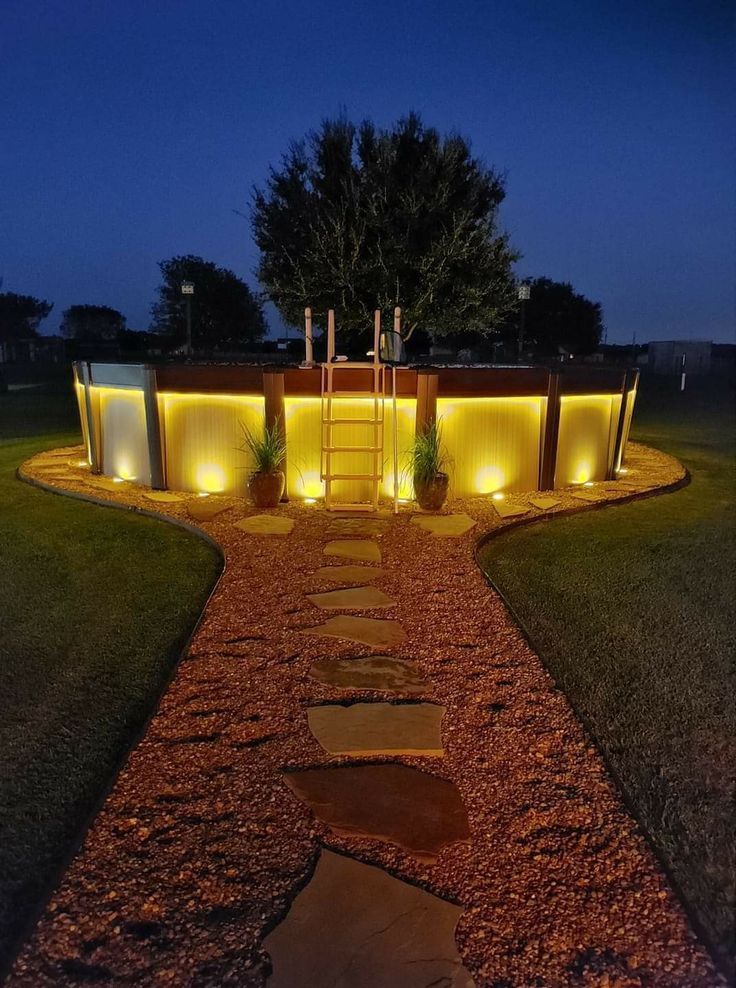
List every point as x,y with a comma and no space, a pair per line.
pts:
180,426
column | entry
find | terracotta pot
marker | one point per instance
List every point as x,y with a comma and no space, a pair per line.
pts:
266,488
431,494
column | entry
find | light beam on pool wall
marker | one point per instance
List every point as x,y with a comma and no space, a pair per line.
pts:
210,478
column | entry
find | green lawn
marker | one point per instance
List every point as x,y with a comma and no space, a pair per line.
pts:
95,605
632,609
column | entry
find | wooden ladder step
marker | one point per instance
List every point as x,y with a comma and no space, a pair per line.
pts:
352,421
375,395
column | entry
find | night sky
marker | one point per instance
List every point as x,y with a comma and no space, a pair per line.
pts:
130,131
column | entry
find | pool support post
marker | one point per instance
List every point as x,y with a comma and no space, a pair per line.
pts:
427,382
275,407
629,381
551,434
92,410
154,425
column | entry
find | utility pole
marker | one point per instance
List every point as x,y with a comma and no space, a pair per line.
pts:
524,294
187,290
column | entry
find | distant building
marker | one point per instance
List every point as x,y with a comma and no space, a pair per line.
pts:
666,356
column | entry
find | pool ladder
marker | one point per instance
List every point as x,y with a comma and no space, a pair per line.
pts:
372,449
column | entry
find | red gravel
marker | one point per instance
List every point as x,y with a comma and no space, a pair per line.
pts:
200,847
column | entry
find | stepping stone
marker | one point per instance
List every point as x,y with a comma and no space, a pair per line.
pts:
365,631
366,527
585,496
205,508
266,525
164,497
545,503
505,510
104,483
377,672
354,926
393,803
354,549
61,475
364,597
348,574
378,728
449,526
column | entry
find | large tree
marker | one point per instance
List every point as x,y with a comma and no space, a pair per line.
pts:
226,314
91,323
21,315
357,218
558,316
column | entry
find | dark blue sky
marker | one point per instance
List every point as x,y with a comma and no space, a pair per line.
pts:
130,130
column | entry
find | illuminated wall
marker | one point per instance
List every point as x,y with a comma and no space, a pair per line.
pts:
123,428
303,417
586,438
202,434
493,443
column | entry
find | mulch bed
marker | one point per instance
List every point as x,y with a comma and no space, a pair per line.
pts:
201,846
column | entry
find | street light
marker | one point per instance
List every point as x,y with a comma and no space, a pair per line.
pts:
523,294
187,289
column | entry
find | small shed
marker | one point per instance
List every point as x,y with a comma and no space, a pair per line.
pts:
666,356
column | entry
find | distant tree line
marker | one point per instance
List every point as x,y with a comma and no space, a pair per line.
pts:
355,218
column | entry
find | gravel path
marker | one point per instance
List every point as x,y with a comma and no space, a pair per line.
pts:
201,846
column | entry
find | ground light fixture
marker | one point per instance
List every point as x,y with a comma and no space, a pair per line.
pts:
498,496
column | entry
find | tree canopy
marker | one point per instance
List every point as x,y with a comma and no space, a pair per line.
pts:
557,315
91,323
226,314
21,315
357,218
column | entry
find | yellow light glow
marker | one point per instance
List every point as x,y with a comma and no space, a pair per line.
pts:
204,494
588,483
118,480
488,479
211,478
622,470
312,485
498,496
310,500
404,500
82,463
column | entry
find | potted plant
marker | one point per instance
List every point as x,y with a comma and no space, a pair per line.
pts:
268,452
427,459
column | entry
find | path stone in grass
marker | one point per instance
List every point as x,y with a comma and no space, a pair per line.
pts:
354,549
394,803
365,631
266,525
163,497
505,510
545,503
378,728
363,597
449,526
354,926
377,672
205,508
349,574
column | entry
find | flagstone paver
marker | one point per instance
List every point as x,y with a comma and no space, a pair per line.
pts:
266,525
354,926
366,631
396,803
200,848
505,509
448,526
352,597
206,508
163,497
545,503
586,495
361,549
349,574
356,527
377,672
378,728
